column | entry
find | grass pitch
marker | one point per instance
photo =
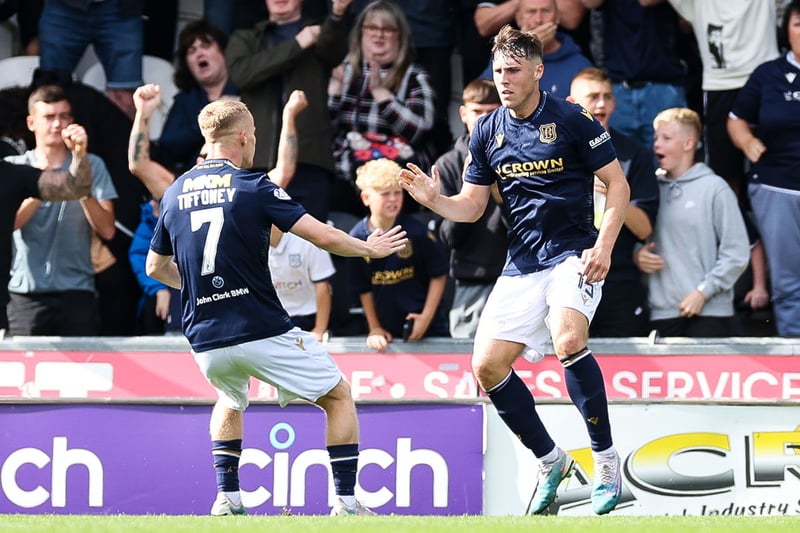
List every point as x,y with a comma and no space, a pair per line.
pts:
394,524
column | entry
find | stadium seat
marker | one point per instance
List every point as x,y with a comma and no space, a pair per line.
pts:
17,71
154,70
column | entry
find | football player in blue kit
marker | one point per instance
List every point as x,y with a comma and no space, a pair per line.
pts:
541,154
212,241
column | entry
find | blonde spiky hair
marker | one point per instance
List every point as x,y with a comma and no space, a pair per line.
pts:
378,174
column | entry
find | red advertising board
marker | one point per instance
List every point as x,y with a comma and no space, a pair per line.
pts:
128,374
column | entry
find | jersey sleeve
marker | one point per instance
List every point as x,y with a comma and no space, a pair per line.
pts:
593,141
282,209
320,265
102,184
161,243
479,171
748,100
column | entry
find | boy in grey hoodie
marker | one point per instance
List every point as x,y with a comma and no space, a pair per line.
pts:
699,246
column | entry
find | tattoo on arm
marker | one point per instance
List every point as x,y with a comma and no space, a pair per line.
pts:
139,145
291,140
59,185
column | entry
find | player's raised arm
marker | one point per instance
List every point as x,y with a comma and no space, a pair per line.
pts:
286,162
154,176
466,206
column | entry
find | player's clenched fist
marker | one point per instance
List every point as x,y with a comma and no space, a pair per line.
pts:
75,138
147,98
297,102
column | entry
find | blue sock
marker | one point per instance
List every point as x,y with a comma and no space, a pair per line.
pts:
226,462
344,464
516,406
585,385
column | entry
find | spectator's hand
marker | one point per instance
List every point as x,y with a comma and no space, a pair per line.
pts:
546,32
377,84
308,36
339,7
692,304
599,186
378,339
75,139
754,149
162,304
647,259
336,81
421,325
146,99
382,243
295,104
422,188
757,298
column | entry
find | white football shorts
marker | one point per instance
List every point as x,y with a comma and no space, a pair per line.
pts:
518,309
294,363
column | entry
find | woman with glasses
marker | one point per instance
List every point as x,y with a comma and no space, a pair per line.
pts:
381,102
765,124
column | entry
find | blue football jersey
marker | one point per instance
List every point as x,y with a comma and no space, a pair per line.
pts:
215,220
544,167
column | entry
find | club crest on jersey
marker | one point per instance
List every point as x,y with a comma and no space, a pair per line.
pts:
499,138
217,282
280,194
295,260
547,132
406,252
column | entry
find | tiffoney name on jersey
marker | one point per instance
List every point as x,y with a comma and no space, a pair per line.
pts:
208,189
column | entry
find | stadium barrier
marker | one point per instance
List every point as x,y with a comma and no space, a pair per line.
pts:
93,425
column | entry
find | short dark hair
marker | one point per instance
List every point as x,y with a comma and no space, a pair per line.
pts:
207,33
480,91
49,94
783,37
517,44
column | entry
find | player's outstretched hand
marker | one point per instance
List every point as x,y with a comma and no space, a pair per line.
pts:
75,139
422,188
147,98
382,243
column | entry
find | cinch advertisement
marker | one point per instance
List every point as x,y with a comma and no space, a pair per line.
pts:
677,459
403,376
142,459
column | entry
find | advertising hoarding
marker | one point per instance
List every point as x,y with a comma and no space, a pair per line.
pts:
154,459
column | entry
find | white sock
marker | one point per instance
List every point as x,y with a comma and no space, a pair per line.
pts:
234,497
348,500
608,453
549,458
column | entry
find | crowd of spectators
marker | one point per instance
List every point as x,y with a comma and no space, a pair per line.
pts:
378,81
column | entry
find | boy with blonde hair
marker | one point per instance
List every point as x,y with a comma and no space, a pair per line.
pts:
699,246
405,288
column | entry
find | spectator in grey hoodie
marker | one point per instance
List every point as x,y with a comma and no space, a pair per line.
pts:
700,245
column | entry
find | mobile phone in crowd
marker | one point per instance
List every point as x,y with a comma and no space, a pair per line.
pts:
408,325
